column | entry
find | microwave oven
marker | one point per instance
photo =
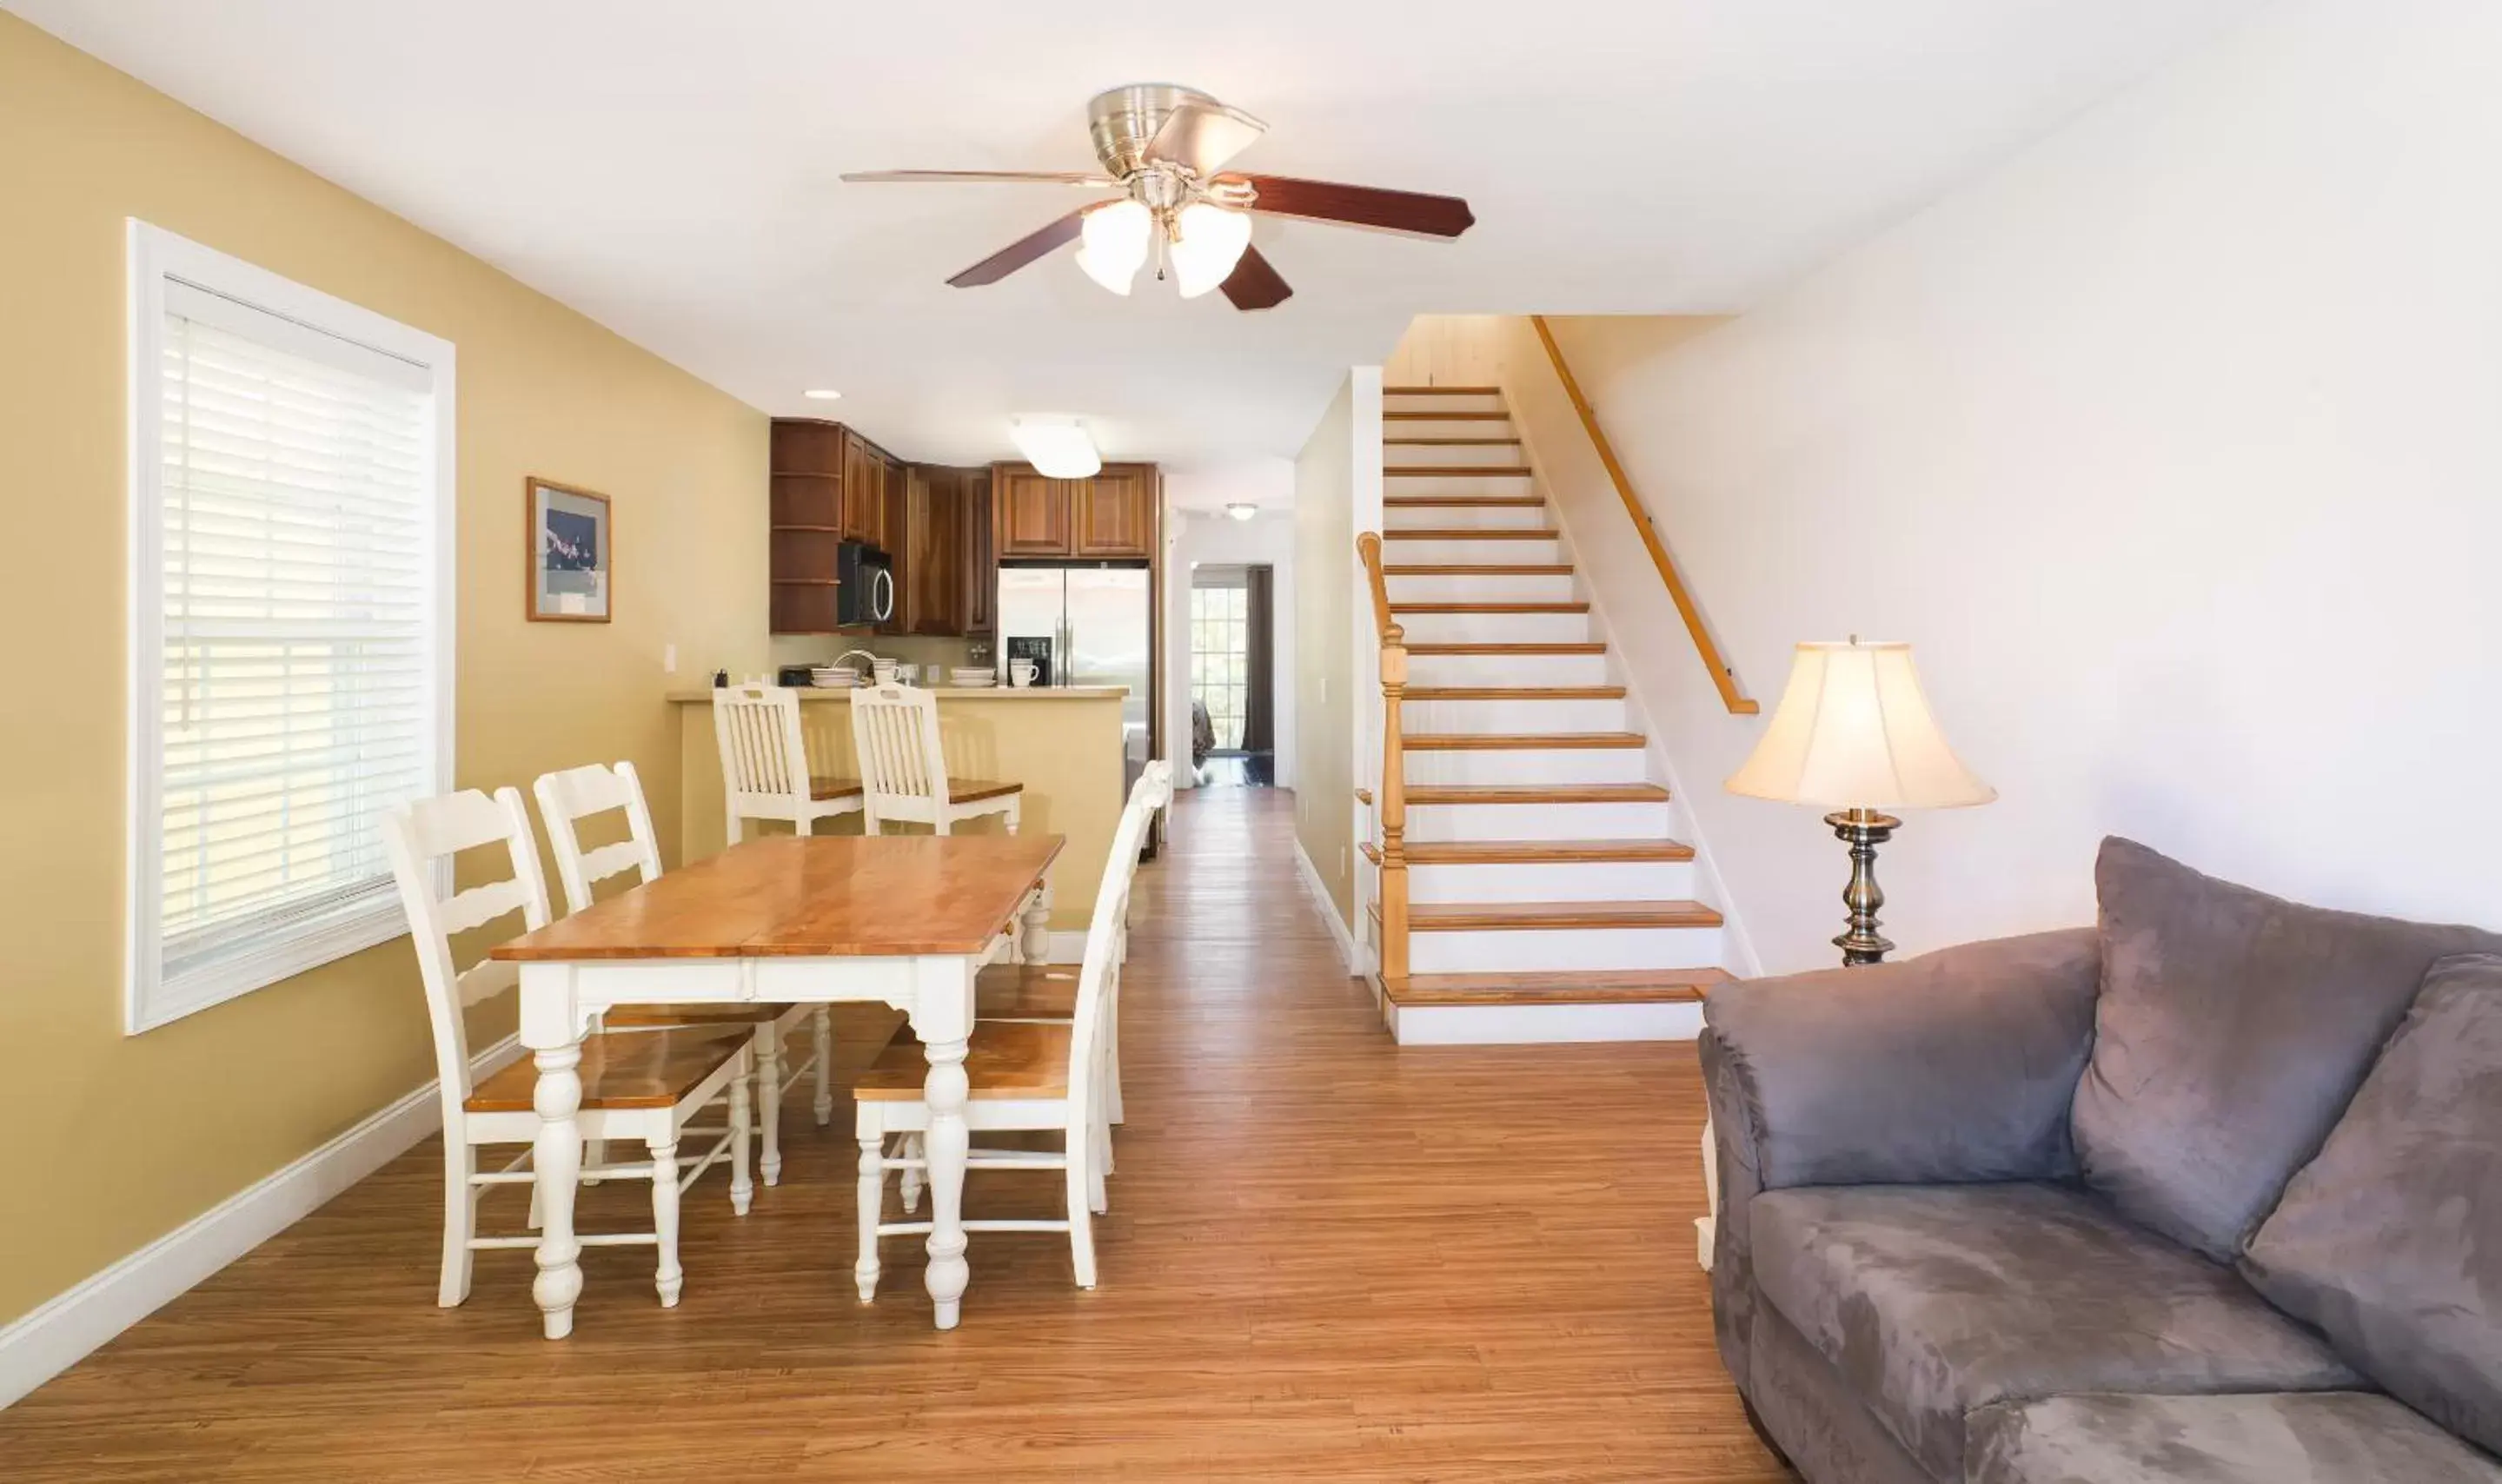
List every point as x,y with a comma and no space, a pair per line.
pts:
864,590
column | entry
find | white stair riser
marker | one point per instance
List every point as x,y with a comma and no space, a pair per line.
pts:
1441,401
1514,716
1578,881
1543,764
1495,628
1452,427
1543,1024
1482,587
1457,484
1506,669
1539,822
1514,951
1501,551
1409,455
1467,518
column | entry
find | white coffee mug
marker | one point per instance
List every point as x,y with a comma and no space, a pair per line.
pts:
884,670
1020,672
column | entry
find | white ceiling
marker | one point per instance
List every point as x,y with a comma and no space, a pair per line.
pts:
670,168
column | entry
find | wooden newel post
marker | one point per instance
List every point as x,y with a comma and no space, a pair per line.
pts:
1394,806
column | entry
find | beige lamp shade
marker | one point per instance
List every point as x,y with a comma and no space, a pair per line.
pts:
1854,731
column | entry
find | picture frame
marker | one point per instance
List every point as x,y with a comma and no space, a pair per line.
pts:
571,553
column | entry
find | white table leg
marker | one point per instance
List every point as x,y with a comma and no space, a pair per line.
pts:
942,1017
1035,946
555,1159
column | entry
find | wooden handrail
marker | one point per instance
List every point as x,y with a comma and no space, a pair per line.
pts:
1722,676
1390,807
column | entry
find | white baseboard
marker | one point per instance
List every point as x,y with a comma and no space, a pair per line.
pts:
71,1325
1327,905
1068,946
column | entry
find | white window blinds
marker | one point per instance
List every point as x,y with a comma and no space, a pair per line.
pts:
296,669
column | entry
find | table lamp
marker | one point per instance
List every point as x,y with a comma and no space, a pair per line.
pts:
1853,733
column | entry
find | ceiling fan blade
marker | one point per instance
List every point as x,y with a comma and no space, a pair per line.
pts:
1254,284
969,177
1023,251
1398,211
1203,136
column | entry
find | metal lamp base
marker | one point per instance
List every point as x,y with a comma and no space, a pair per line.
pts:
1863,830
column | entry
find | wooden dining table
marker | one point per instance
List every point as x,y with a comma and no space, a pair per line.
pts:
905,919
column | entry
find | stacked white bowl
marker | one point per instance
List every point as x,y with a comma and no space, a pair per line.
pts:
973,676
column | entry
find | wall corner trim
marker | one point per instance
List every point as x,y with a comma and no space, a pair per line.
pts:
71,1325
1321,899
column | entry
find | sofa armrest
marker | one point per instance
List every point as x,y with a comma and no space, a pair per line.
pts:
1957,1066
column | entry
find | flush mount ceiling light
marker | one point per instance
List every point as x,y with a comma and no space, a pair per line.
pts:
821,393
1164,149
1058,448
1241,510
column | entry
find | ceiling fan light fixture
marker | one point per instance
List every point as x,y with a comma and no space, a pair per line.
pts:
1112,245
1207,241
1241,510
1058,448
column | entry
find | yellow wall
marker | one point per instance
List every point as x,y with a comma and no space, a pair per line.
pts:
1066,749
117,1139
1325,679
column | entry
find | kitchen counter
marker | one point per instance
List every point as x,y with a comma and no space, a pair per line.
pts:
1063,744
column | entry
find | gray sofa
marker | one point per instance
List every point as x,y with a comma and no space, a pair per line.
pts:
2209,1192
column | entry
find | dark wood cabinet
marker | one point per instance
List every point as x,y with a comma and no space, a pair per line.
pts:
933,579
981,554
1033,517
807,464
1116,513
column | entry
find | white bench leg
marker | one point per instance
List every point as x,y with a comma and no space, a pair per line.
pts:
768,1097
821,1027
872,1205
742,1187
670,1278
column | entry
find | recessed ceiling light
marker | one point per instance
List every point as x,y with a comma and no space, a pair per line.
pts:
821,393
1241,510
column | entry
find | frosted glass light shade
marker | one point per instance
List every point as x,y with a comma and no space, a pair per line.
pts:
1058,448
1854,731
1207,241
1113,243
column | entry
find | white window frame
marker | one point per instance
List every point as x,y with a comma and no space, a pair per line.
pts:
157,257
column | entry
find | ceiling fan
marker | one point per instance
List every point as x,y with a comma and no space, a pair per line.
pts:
1165,147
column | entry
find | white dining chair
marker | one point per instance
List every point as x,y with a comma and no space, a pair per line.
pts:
904,772
764,762
566,799
1023,1076
641,1087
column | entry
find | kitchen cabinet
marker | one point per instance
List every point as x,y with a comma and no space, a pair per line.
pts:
806,461
1033,512
981,577
1116,513
933,574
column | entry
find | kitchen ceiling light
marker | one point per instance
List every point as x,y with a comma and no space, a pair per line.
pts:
1207,241
1113,243
1058,448
1241,510
821,393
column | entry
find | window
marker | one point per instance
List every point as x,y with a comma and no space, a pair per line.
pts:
290,640
1219,651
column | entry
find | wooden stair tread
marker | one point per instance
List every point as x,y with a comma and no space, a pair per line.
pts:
1442,391
1518,741
1537,794
1462,501
1004,1059
1545,852
1574,607
1482,569
1456,471
1522,647
634,1069
1469,533
1515,693
1403,415
1585,987
1541,915
1450,442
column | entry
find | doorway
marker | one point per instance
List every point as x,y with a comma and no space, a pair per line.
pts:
1232,696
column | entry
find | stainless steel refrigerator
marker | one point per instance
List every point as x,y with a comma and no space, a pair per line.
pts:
1097,622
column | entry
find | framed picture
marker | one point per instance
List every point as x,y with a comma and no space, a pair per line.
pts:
570,553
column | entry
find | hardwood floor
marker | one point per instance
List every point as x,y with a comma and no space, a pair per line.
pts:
1328,1257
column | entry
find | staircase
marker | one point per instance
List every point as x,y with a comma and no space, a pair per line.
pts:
1530,887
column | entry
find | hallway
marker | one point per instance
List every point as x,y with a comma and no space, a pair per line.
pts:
1328,1257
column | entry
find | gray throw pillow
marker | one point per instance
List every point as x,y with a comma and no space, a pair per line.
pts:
2391,1240
2233,1026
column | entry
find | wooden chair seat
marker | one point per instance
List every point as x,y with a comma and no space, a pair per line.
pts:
653,1070
620,1017
821,789
1025,991
1011,1058
970,790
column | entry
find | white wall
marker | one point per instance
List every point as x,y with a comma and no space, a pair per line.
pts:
1337,493
1195,538
2175,446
